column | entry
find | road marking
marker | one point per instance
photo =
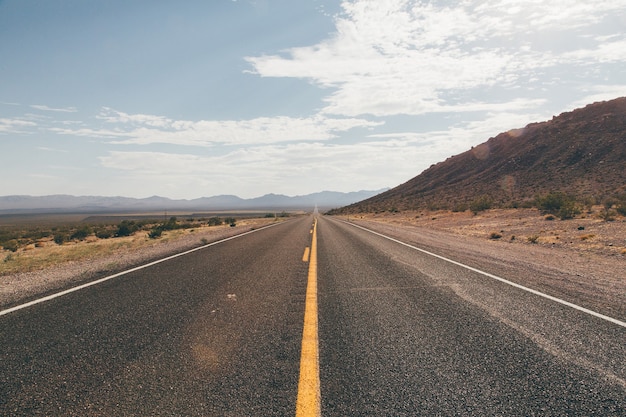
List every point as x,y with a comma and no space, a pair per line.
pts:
497,278
305,257
309,402
101,280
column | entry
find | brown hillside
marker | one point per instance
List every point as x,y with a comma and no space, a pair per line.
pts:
582,153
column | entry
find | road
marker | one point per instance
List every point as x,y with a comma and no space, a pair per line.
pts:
219,332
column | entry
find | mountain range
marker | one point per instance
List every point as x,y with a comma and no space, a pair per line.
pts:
86,204
581,153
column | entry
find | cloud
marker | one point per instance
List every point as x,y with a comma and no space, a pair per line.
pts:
48,149
52,109
604,52
142,129
410,57
599,93
15,125
378,160
314,166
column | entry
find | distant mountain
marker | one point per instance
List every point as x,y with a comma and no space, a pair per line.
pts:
87,204
582,153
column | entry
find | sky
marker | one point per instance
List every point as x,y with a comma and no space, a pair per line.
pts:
196,98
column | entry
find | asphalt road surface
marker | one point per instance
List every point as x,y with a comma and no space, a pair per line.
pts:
219,332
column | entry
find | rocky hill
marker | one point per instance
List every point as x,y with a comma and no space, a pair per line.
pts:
582,153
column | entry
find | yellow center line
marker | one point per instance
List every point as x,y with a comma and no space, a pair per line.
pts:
309,402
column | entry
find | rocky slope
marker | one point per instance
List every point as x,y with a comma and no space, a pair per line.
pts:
582,153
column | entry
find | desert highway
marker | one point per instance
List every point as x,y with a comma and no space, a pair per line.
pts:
389,331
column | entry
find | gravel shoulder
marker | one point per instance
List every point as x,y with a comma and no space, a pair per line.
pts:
582,260
20,287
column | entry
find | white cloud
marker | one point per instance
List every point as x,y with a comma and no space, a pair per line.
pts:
52,109
141,129
404,57
292,169
89,132
15,125
604,52
599,93
377,161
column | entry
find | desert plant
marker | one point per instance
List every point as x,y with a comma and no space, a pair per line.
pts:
607,214
81,233
559,204
104,234
481,203
155,233
460,207
60,238
126,228
11,245
533,238
215,221
495,235
171,224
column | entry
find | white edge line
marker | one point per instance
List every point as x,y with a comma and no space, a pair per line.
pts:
487,274
101,280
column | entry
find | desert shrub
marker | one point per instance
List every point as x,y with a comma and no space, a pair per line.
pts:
283,214
588,203
171,224
269,215
126,228
104,233
81,233
215,221
231,220
11,245
495,235
568,211
481,203
533,238
608,214
155,233
460,207
559,204
60,238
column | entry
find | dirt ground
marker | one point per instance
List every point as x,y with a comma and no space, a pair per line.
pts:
586,233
